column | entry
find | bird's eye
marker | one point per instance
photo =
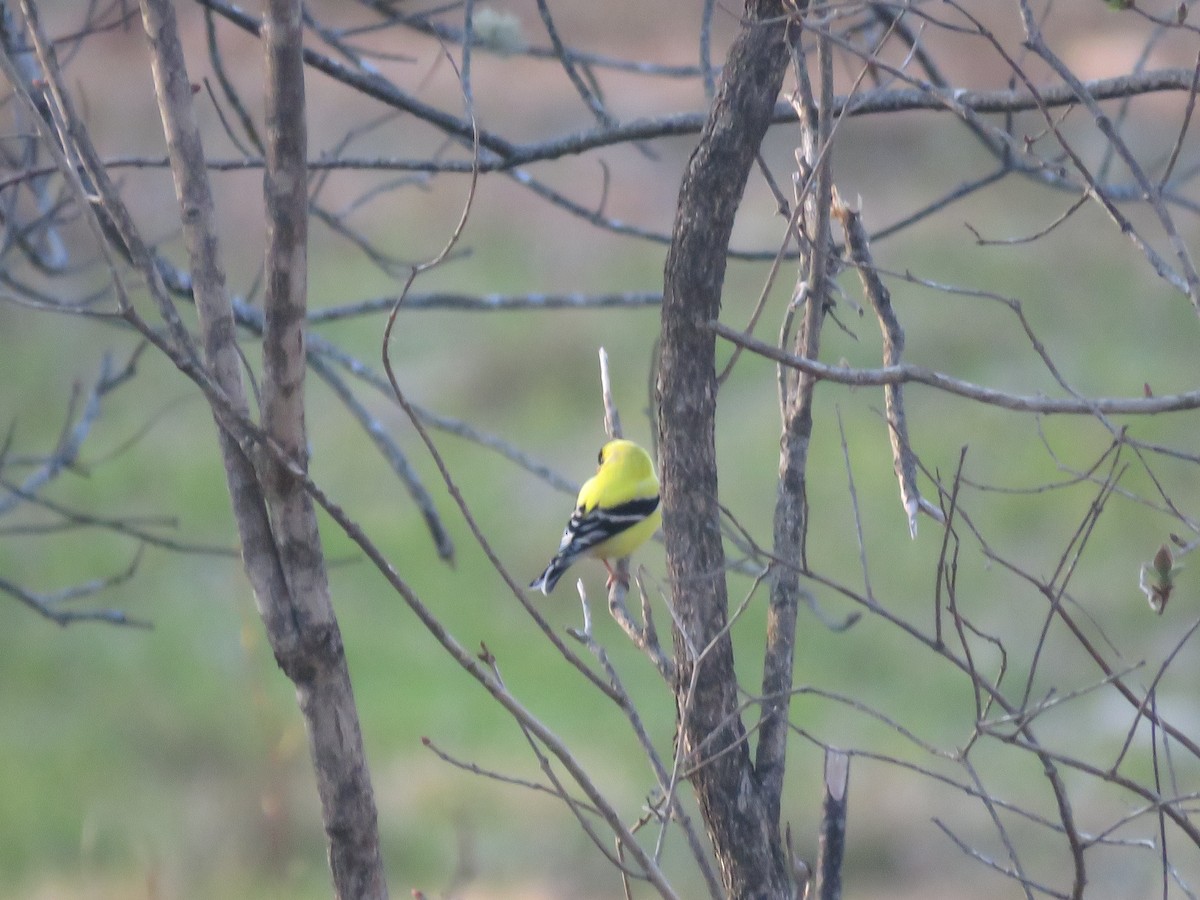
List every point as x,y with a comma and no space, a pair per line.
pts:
600,456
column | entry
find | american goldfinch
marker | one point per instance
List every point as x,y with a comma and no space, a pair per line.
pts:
616,512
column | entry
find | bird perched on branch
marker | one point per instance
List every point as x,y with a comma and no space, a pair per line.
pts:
616,512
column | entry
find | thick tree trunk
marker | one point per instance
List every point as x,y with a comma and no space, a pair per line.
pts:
744,833
281,547
313,656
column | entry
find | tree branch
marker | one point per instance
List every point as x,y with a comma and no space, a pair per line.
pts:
1129,406
285,566
813,182
746,840
317,664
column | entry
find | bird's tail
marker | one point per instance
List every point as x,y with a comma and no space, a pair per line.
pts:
548,579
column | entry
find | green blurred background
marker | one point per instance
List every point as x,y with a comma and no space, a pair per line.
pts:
173,763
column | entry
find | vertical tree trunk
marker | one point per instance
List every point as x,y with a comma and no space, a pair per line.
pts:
745,835
796,408
281,548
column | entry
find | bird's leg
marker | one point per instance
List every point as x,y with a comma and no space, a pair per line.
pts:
614,576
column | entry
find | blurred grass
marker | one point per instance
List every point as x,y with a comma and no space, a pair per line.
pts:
172,763
174,758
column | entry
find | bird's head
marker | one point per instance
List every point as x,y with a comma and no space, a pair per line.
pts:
626,456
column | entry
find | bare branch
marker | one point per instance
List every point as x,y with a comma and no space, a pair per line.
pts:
828,877
51,605
906,373
747,842
903,459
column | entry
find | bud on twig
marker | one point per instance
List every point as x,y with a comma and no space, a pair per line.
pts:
1158,578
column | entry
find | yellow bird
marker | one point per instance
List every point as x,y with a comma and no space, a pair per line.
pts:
616,512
